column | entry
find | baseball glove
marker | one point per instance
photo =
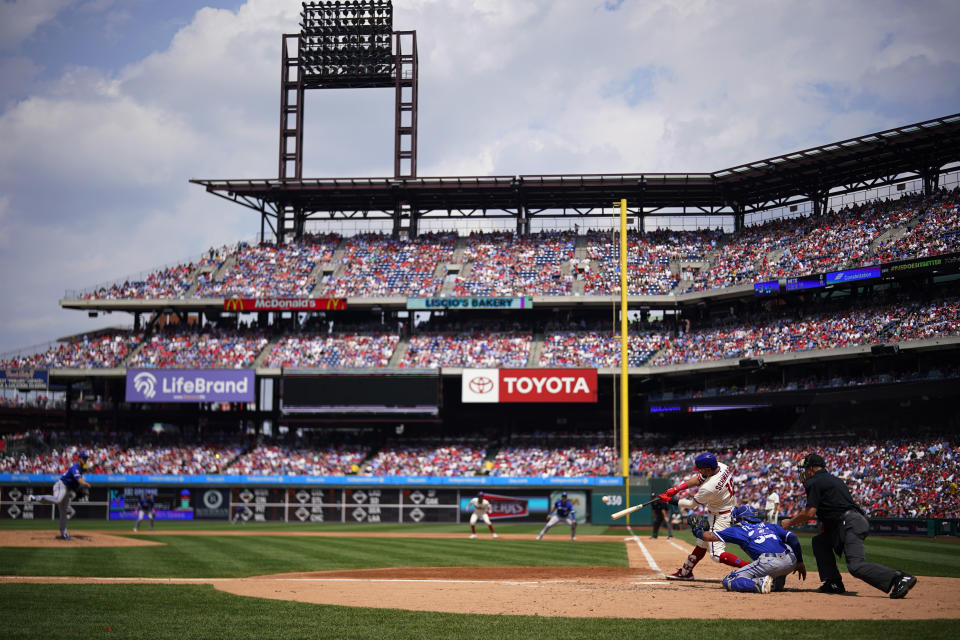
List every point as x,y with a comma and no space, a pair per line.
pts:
82,493
698,522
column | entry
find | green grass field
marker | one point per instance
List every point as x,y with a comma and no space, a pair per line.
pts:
186,612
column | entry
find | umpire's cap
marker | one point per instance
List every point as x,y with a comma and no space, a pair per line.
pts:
705,461
812,460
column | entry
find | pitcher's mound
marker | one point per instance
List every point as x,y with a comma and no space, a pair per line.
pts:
51,538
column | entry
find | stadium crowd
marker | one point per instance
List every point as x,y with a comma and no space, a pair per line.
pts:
596,348
548,262
908,477
504,264
106,350
499,344
211,348
333,351
135,460
296,461
268,270
443,459
376,266
467,344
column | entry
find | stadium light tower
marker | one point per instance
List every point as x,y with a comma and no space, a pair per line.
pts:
348,45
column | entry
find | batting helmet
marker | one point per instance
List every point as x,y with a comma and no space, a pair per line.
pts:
705,461
479,494
745,513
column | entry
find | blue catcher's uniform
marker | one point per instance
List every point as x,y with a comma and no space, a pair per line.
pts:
562,511
774,550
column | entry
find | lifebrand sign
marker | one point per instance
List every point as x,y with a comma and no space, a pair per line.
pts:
190,385
284,304
529,385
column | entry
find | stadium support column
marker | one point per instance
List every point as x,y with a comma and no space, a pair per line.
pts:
820,199
523,221
291,110
405,114
931,180
738,217
67,411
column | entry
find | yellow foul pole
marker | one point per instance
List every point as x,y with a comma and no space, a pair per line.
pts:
624,399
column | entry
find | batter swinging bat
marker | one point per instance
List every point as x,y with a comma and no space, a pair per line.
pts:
636,507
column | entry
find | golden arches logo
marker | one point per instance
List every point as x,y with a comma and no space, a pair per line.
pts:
336,303
233,304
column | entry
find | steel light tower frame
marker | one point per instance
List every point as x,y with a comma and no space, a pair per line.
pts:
346,45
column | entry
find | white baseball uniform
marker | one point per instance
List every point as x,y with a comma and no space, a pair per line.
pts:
480,510
773,506
716,494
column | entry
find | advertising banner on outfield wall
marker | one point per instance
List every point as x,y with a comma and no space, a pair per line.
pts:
23,379
529,385
190,385
284,304
426,304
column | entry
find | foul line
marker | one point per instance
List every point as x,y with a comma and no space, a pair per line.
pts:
646,554
684,549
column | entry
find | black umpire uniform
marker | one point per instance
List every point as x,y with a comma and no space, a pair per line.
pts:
661,514
845,527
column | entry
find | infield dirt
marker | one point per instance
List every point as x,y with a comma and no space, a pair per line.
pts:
637,591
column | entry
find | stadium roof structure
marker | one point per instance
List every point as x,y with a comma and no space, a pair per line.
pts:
924,149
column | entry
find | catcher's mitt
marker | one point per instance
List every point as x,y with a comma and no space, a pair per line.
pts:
698,522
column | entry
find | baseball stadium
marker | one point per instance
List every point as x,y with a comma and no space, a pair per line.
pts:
534,406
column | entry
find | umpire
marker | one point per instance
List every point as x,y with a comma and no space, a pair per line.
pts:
661,515
843,528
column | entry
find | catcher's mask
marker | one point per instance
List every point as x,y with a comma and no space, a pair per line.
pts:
745,513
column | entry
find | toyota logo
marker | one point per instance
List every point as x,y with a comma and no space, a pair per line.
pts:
480,384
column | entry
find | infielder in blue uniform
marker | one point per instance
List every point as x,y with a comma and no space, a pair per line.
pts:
70,481
774,550
562,510
144,510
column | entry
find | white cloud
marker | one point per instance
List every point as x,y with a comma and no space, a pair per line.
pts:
94,166
19,19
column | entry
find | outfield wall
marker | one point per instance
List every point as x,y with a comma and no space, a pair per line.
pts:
300,499
386,499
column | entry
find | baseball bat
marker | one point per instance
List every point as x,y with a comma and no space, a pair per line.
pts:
636,507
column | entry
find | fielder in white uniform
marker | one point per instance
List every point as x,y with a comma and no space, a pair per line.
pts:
716,493
772,507
481,510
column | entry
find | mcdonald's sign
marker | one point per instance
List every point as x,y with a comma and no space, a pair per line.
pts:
284,304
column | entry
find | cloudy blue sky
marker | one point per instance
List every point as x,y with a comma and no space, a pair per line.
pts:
109,107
